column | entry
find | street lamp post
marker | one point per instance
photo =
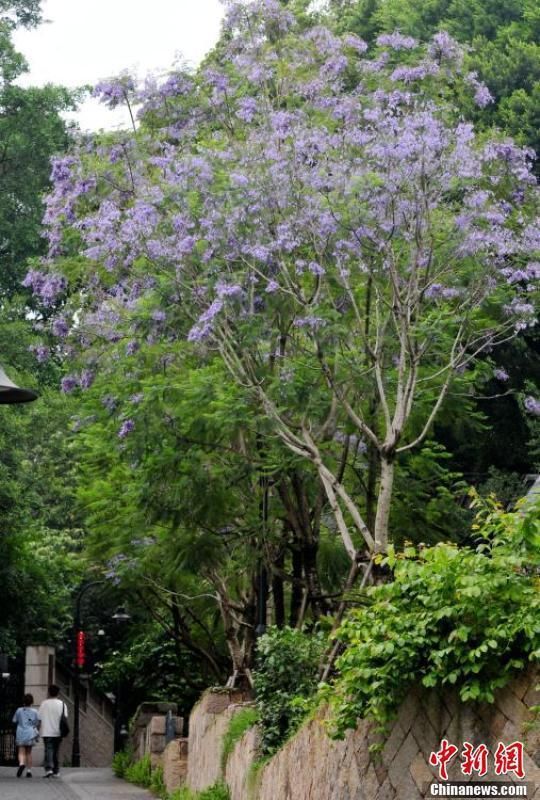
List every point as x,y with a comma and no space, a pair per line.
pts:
79,664
120,617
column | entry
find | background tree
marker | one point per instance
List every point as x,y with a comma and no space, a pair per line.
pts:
40,534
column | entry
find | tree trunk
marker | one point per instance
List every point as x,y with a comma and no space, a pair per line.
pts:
318,605
278,593
382,516
297,588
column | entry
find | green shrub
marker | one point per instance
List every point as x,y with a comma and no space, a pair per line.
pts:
140,772
465,616
120,763
287,671
157,784
238,725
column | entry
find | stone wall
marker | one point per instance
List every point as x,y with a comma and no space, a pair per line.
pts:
208,724
149,736
312,767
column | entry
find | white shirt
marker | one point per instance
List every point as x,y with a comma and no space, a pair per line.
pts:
50,713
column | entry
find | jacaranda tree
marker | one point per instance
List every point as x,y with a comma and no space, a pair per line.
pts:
317,215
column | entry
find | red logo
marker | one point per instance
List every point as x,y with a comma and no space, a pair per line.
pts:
509,758
442,757
475,760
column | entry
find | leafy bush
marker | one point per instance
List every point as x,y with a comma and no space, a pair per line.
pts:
287,670
238,725
452,616
140,772
120,763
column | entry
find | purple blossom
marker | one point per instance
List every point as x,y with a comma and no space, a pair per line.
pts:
46,286
228,290
354,41
532,405
482,96
137,398
114,91
316,269
409,74
86,379
246,109
438,291
203,328
396,41
132,347
309,322
109,402
501,375
272,286
41,352
68,384
127,427
444,48
60,327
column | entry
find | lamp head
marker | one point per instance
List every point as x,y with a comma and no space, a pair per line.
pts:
121,616
10,393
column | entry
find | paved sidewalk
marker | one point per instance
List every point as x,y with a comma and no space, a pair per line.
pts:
74,784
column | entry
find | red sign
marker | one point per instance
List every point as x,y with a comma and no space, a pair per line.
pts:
80,649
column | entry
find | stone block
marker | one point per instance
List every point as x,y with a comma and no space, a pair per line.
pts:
404,757
157,743
147,710
175,764
521,685
424,733
512,707
408,711
421,773
371,782
157,725
393,743
217,702
436,712
532,697
386,792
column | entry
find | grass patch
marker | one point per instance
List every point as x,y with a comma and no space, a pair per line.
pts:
140,772
217,792
121,762
238,725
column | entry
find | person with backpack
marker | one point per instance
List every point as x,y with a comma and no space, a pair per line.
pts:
26,735
53,727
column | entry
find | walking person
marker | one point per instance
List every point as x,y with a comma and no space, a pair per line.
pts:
26,735
50,714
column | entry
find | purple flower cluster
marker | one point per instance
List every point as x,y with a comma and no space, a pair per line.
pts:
48,286
126,428
397,41
532,405
69,383
114,91
501,375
